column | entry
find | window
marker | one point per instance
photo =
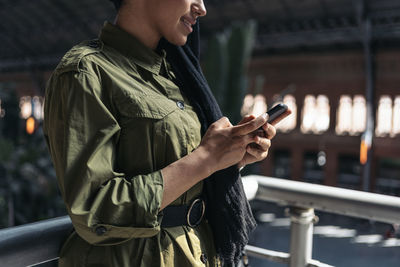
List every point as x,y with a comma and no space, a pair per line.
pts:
37,107
384,116
388,178
315,114
359,115
25,105
282,164
255,105
313,170
344,115
396,117
322,119
288,123
31,110
349,173
247,106
351,116
308,114
31,106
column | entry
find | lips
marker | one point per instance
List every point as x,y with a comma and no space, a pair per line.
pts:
188,22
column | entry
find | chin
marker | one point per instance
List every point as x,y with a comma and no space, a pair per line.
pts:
182,43
179,41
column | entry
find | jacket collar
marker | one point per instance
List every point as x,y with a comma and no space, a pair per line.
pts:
131,47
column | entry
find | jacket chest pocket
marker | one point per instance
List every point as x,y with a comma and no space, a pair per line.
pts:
152,134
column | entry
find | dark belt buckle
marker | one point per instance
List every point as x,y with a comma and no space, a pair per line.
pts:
195,205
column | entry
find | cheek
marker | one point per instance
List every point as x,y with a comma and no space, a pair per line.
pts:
174,32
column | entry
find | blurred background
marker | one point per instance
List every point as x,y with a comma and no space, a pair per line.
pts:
335,63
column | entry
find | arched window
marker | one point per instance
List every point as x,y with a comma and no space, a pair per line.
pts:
254,105
359,120
260,105
247,106
322,119
288,123
315,114
38,107
25,105
384,116
351,116
396,117
308,114
344,115
31,106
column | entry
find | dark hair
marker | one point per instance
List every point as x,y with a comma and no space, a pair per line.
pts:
117,3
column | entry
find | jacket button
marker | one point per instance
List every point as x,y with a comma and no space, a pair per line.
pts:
203,258
180,105
100,230
93,44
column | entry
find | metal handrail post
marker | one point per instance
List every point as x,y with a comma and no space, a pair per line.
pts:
301,231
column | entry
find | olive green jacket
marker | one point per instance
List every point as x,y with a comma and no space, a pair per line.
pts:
113,120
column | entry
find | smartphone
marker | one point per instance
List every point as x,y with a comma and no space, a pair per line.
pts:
277,113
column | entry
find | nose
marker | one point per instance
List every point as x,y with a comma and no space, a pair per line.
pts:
199,9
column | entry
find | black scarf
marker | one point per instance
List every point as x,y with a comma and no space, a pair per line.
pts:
228,210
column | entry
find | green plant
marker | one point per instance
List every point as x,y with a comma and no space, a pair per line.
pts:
225,66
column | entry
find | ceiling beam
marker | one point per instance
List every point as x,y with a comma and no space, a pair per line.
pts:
341,36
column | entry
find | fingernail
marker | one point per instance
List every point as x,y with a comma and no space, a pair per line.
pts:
265,116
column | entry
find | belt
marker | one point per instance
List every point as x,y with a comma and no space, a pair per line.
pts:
184,215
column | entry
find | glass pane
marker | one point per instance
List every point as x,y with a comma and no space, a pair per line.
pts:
38,107
313,171
254,105
308,114
359,119
282,164
388,176
349,172
344,115
396,117
248,102
384,116
322,118
25,105
260,105
288,123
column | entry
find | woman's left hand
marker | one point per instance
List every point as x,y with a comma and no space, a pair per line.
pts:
258,150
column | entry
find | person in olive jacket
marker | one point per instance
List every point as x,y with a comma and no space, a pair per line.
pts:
129,150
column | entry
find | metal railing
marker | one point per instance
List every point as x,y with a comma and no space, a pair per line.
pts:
38,244
34,244
303,198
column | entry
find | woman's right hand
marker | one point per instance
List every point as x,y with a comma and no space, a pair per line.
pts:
224,145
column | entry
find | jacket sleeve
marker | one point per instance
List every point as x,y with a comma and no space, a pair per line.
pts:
106,207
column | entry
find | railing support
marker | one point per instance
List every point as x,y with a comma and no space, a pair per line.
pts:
301,238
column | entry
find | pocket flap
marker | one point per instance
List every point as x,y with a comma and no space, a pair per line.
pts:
148,106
